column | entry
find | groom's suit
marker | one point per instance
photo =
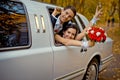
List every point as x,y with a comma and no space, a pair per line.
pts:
53,19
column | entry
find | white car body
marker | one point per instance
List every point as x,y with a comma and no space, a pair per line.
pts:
41,59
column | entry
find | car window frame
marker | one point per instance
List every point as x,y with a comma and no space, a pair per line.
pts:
50,9
28,28
82,24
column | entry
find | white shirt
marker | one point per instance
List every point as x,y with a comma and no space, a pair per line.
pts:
58,26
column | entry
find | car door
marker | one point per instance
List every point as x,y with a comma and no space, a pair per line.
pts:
29,55
69,61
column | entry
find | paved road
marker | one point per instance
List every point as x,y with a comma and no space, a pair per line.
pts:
112,72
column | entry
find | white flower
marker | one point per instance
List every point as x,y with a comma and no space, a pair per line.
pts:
92,31
98,34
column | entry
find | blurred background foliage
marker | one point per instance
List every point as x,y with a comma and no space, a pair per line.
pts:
111,8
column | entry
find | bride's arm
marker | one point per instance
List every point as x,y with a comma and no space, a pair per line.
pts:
98,13
70,42
81,35
96,17
67,42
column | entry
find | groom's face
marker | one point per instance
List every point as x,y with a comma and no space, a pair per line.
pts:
66,15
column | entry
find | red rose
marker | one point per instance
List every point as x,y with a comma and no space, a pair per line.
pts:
96,34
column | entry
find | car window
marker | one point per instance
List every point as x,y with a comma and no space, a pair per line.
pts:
50,10
13,25
81,22
84,22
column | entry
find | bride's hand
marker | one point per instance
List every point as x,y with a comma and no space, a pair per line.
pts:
98,12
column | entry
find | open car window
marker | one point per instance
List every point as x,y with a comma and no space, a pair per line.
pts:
50,10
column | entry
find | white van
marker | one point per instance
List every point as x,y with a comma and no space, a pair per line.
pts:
28,50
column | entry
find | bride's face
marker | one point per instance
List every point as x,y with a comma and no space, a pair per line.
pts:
69,33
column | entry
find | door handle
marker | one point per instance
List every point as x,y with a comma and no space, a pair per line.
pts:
83,50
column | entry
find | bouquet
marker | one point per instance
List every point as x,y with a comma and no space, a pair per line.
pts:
96,34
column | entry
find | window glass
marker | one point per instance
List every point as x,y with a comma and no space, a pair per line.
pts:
13,24
81,22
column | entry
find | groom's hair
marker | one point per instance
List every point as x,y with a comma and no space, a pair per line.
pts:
72,8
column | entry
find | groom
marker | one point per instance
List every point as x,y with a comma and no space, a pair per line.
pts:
64,17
